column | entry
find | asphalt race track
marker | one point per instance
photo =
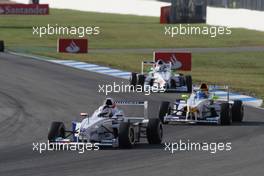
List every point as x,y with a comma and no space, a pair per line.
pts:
33,93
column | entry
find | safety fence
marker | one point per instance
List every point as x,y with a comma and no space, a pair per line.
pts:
241,4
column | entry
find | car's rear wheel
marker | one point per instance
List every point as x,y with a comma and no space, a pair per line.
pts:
154,131
237,111
57,130
164,110
173,84
188,81
225,114
2,46
126,135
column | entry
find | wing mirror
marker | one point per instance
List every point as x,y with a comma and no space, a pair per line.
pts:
150,70
185,97
215,97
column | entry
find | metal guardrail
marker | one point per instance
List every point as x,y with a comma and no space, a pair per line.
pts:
244,4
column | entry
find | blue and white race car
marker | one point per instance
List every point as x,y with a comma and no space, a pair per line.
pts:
161,78
108,126
202,106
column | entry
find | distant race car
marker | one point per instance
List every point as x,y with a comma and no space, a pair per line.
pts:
162,77
108,126
203,107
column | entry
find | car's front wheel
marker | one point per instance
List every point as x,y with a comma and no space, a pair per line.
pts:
164,110
154,131
141,80
133,79
126,135
225,114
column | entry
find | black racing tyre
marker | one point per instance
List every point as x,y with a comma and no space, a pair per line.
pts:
126,135
237,111
182,81
2,46
141,80
225,115
173,84
154,131
57,129
151,82
188,81
164,110
133,79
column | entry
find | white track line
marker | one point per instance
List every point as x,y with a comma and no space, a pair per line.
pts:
250,101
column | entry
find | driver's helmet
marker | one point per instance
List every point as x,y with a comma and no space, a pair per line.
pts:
105,112
203,93
204,87
109,102
160,65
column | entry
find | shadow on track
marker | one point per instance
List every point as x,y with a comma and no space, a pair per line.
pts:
249,123
140,146
245,123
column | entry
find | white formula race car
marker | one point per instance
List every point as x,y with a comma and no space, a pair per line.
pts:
108,126
161,77
203,107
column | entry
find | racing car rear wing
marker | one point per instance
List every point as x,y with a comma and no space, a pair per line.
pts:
151,63
135,103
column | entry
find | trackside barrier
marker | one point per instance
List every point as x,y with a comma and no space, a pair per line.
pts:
165,14
235,18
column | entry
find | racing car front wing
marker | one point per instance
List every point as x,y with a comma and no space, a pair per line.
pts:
183,119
